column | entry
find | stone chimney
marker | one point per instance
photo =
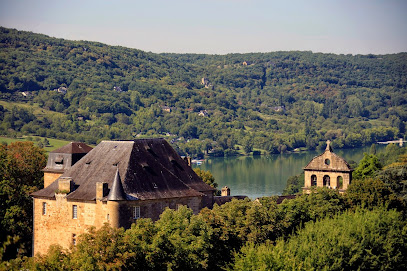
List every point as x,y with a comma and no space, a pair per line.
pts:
65,185
101,190
225,191
188,160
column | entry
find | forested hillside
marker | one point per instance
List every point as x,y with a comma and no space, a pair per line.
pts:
88,91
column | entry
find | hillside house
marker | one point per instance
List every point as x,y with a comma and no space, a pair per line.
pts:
117,182
327,170
62,90
166,108
203,113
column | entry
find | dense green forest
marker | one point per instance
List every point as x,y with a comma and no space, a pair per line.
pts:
204,104
363,229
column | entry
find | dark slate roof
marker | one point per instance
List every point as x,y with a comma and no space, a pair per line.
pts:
73,147
149,169
117,191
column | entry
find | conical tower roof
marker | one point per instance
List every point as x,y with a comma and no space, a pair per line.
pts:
117,191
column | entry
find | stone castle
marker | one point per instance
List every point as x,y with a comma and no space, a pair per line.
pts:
117,183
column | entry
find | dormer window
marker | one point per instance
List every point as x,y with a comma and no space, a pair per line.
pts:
59,160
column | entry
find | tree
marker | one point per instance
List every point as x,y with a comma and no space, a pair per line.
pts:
248,144
46,142
294,184
206,176
395,176
20,174
367,167
370,193
360,240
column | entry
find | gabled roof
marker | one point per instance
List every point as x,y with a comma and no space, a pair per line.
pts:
73,147
149,169
335,163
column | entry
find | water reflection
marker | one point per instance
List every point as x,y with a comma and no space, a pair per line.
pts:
265,175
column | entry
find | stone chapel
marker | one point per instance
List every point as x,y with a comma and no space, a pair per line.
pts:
327,170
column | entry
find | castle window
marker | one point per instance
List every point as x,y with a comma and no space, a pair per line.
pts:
44,208
136,212
327,162
74,239
74,211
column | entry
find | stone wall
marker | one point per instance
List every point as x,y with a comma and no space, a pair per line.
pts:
58,226
346,178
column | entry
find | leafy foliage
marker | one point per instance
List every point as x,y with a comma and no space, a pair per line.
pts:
360,240
206,176
20,174
367,167
294,184
278,102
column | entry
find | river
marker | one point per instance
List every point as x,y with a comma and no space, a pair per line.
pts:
266,175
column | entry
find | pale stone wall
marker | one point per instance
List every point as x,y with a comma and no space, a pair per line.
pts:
333,178
50,177
57,226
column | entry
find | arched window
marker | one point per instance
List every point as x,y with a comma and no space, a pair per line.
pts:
339,182
327,180
313,180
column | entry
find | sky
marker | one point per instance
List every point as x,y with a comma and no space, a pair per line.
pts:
219,26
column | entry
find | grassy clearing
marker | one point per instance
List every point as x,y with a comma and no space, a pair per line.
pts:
34,108
53,143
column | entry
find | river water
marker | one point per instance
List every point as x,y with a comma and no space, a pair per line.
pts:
265,175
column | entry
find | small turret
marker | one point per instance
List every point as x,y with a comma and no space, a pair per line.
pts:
116,192
114,199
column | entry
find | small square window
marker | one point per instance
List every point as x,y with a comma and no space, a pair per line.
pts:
136,212
74,211
44,208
